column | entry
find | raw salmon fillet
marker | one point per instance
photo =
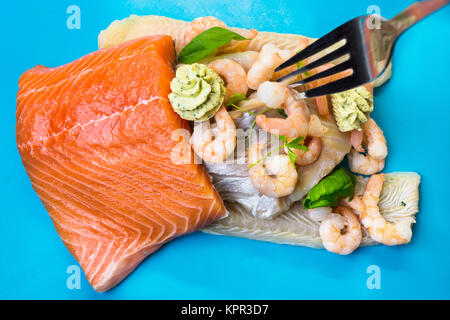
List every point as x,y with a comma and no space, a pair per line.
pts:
95,139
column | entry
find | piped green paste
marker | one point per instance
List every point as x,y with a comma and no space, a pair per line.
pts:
197,92
351,108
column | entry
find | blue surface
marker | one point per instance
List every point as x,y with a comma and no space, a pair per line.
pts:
413,112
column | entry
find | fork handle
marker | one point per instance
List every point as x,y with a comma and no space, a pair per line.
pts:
416,12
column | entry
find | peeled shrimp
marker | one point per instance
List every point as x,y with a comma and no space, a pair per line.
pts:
371,136
285,55
341,231
233,74
202,24
297,122
382,231
275,176
364,164
215,144
246,59
304,158
276,95
376,142
262,70
316,129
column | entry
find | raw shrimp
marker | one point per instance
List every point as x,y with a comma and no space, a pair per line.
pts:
304,158
276,95
202,24
341,231
216,144
262,70
373,138
388,233
274,176
233,74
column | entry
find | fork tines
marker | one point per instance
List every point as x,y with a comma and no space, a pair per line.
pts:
346,33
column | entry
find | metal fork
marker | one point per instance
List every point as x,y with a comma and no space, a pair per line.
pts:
367,42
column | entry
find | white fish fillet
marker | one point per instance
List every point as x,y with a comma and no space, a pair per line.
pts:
135,26
398,201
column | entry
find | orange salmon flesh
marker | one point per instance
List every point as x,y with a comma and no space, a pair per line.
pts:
95,139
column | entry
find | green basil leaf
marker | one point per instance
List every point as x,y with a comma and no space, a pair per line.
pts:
283,113
300,147
296,142
207,42
300,65
236,98
283,138
330,190
292,156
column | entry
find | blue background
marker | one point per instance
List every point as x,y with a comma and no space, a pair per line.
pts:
412,109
